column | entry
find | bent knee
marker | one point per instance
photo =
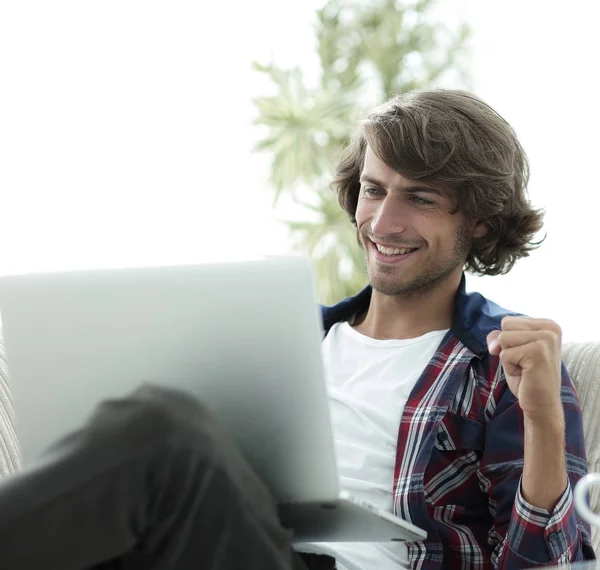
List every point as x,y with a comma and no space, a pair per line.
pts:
152,414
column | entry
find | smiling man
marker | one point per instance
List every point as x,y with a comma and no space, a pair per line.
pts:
447,409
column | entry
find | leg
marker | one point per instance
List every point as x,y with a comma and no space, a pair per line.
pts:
151,482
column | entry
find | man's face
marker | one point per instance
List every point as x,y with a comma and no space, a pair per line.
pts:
411,240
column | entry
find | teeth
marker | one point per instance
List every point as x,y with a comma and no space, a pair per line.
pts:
393,250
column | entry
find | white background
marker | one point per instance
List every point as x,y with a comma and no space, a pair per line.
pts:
126,134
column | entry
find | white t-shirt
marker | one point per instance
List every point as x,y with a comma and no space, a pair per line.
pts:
369,382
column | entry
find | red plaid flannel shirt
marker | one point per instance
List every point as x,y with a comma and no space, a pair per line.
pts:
460,456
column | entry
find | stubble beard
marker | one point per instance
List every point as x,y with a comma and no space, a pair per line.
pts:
431,277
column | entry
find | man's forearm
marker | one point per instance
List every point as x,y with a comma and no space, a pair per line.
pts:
544,470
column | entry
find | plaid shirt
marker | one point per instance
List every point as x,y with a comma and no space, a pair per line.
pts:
459,458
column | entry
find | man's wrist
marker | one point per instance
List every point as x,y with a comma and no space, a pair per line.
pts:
551,418
544,470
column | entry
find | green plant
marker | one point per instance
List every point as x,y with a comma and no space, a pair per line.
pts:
368,51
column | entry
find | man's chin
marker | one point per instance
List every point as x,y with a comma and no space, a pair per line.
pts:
397,287
389,287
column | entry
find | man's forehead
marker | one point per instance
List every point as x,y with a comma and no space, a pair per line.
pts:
376,171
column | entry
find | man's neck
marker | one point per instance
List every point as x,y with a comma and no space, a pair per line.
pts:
403,317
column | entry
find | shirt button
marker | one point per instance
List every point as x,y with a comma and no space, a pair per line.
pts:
442,436
553,537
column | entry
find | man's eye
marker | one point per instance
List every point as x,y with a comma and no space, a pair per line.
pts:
421,201
372,191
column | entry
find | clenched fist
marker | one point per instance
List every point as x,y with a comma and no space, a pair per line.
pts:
530,353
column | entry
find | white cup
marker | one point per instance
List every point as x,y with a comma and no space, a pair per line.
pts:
581,504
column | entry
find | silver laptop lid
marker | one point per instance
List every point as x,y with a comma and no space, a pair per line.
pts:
243,337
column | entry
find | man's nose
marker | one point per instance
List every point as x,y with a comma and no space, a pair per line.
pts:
391,217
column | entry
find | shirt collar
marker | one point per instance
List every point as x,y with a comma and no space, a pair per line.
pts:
474,316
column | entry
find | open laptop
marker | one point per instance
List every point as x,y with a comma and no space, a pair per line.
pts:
243,337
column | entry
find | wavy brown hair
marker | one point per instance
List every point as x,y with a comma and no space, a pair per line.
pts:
454,138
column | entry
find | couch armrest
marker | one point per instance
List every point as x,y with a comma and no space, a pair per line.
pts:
9,450
582,360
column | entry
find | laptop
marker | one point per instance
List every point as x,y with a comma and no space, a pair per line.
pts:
244,337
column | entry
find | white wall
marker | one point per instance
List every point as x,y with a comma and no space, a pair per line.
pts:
125,131
537,63
125,134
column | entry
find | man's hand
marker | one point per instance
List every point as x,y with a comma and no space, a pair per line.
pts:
530,353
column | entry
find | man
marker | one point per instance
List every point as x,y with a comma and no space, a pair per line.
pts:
446,409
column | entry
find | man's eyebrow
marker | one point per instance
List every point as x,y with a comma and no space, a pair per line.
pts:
370,180
427,190
410,189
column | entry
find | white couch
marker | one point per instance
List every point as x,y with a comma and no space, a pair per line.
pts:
9,453
581,359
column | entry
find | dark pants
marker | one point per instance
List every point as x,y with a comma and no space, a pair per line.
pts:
151,482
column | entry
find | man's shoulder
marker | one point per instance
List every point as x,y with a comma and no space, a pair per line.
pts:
476,316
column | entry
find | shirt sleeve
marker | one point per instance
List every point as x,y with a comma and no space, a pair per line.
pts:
522,534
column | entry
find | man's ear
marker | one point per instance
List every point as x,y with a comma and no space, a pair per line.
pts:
481,229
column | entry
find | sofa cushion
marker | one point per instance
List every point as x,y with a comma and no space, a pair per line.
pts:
583,363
